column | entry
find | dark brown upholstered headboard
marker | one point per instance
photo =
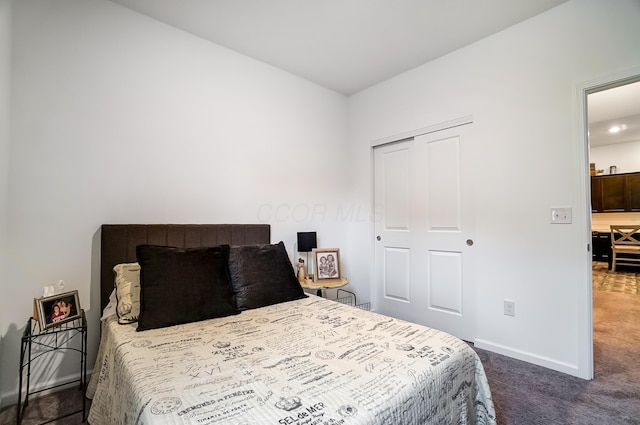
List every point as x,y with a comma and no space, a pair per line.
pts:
119,241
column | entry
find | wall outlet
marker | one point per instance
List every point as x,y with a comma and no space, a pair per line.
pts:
509,308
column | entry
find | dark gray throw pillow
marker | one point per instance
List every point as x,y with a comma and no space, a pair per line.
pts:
182,286
262,275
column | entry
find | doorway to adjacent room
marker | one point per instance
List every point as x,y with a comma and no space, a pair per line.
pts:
612,137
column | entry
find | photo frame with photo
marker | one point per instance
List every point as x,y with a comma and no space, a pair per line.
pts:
57,309
327,264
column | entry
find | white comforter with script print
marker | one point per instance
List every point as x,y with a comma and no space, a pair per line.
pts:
311,361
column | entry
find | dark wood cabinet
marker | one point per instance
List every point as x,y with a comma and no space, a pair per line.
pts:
601,243
596,194
615,193
633,191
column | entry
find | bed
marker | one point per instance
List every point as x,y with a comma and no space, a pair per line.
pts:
301,359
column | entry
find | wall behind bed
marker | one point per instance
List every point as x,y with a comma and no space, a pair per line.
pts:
118,118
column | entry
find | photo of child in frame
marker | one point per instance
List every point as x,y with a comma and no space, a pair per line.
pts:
57,314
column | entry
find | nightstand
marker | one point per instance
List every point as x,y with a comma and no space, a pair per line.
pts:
333,284
37,343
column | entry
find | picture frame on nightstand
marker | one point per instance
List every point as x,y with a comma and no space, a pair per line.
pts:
57,309
327,264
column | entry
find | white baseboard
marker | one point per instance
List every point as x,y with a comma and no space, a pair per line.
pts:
10,398
547,362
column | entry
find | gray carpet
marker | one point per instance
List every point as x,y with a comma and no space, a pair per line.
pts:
42,408
523,394
526,394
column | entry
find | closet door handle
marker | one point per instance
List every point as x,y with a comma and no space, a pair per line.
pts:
378,238
469,242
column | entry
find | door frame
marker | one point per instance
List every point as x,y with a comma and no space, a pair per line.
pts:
468,119
585,292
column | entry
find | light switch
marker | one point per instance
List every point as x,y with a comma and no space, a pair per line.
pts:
560,215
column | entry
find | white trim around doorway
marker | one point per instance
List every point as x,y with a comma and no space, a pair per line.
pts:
584,296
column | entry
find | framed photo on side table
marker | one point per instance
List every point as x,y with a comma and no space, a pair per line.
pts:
327,264
57,309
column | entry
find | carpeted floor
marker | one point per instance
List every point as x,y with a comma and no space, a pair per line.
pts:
53,405
524,394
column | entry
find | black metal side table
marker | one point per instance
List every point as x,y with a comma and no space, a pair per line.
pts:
37,342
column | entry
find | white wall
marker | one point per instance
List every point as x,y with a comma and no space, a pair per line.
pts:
5,134
625,156
118,118
520,86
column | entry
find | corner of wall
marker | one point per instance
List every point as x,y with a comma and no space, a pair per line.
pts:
5,105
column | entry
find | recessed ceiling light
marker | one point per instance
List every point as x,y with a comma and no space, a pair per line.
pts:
617,128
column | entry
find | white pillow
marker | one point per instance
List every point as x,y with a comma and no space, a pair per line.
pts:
127,284
110,309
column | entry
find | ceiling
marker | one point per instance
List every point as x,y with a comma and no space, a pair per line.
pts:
344,45
619,106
